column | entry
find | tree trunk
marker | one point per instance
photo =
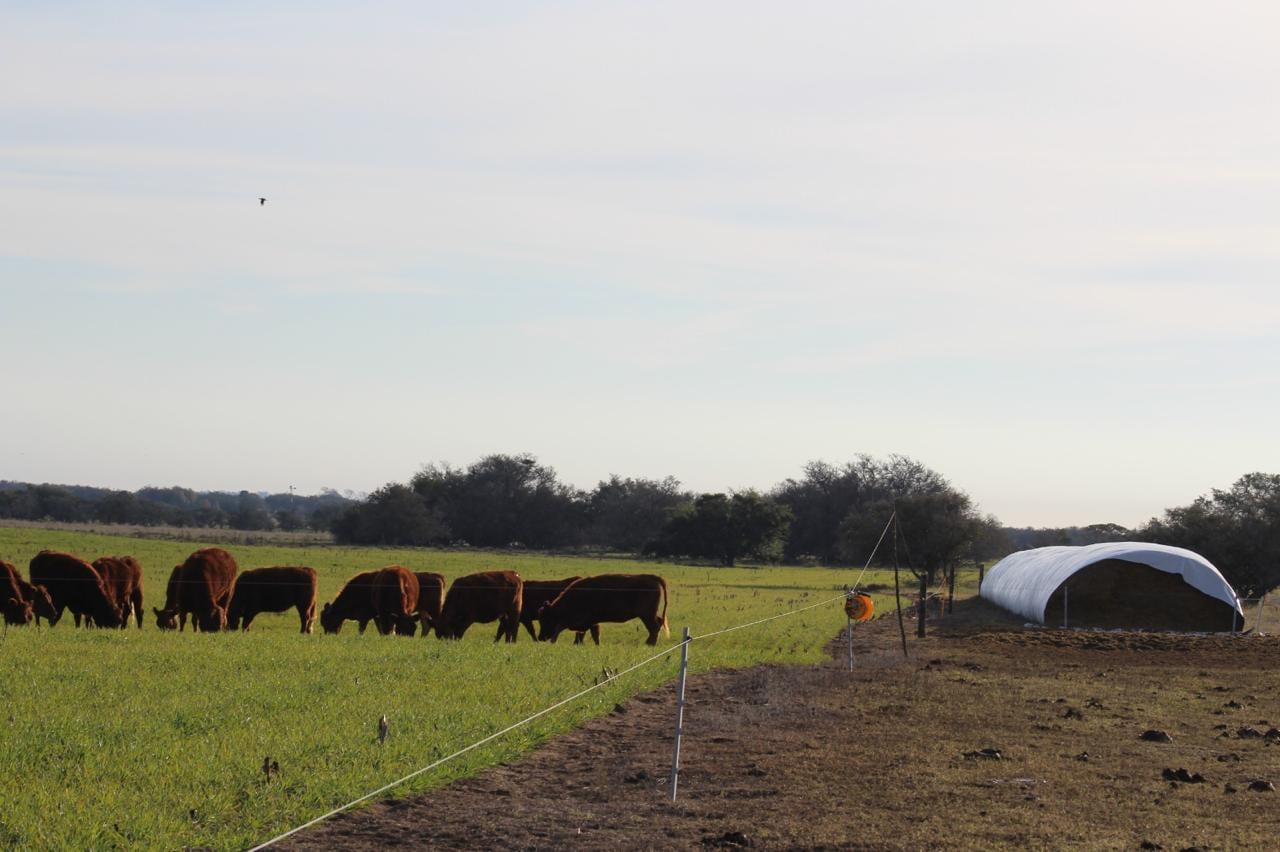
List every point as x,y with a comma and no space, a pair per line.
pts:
951,590
923,607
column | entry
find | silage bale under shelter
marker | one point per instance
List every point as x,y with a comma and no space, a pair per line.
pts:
1116,585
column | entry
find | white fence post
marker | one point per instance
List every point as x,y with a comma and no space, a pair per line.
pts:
1257,628
675,754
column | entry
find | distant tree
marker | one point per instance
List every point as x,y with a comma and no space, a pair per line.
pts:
938,531
824,497
392,515
1237,529
725,528
503,499
624,514
251,513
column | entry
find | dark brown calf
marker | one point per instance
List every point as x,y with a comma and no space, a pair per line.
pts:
481,598
273,590
540,592
354,602
201,587
38,597
122,577
73,584
608,597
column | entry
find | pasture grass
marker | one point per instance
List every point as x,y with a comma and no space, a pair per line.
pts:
143,739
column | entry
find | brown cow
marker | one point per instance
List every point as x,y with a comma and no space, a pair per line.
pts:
38,597
430,598
74,584
273,590
122,576
481,598
17,609
608,597
354,602
395,600
202,587
539,592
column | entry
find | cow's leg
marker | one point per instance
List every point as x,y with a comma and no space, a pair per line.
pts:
76,616
655,627
513,628
528,625
249,616
304,617
595,633
502,629
577,637
137,607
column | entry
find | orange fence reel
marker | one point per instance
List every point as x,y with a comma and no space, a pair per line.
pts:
858,606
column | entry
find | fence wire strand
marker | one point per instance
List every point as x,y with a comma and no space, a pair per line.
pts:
466,749
568,700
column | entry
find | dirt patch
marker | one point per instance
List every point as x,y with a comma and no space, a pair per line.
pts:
883,757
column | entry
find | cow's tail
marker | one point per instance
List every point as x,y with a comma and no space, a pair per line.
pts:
666,631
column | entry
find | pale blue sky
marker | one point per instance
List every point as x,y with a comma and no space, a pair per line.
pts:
1035,248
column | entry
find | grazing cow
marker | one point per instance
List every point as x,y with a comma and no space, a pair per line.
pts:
273,590
17,609
481,598
539,592
354,602
74,584
395,600
608,597
122,577
430,598
201,587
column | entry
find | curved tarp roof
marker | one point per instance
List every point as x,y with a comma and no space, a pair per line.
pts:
1023,582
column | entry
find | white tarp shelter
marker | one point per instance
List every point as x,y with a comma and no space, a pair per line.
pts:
1115,584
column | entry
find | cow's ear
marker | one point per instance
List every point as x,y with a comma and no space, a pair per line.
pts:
158,612
14,602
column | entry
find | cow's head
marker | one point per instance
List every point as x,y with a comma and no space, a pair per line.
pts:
166,619
549,625
214,620
17,612
330,620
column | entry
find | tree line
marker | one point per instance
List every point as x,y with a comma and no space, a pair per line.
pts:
831,514
176,507
821,517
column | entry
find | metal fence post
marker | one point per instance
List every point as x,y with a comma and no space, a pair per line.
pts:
850,630
1066,599
1257,628
675,754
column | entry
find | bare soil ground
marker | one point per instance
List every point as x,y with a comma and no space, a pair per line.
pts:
891,755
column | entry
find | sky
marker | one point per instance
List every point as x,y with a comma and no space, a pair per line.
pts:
1033,246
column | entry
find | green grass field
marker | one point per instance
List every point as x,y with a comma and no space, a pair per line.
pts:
143,739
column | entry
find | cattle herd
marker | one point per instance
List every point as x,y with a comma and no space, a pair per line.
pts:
208,589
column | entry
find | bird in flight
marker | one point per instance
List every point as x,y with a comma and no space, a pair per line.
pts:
261,201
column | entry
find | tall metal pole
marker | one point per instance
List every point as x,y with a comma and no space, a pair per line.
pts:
1066,600
684,673
1257,628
